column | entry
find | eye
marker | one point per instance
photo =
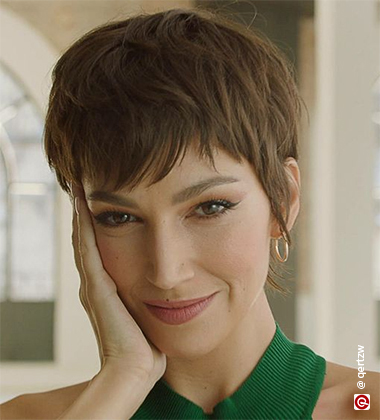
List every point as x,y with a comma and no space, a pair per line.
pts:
113,219
116,219
214,204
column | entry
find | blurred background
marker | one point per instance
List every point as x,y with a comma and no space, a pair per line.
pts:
46,339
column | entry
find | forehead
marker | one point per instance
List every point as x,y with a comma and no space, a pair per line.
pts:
190,169
193,165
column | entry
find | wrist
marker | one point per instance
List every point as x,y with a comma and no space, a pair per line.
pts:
123,371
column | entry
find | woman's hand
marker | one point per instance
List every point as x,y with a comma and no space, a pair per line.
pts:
120,340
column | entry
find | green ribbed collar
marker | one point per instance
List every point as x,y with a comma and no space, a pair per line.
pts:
285,384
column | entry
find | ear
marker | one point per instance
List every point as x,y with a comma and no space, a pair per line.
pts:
294,176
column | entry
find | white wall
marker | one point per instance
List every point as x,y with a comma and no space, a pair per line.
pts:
342,151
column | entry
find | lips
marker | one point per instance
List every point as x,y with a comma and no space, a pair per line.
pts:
176,304
182,314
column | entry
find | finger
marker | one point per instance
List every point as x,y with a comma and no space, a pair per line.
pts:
83,295
74,241
90,258
83,287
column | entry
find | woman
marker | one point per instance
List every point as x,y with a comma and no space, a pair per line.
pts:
176,135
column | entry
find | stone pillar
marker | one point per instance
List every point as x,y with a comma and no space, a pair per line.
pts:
342,208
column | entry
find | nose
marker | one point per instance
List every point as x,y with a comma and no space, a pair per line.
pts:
169,257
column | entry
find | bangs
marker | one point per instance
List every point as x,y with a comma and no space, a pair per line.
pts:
142,147
133,112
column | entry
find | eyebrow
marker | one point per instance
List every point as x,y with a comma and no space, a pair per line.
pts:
179,197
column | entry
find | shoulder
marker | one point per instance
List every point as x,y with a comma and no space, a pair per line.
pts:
336,400
41,405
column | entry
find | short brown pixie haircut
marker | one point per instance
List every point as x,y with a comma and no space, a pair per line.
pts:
130,96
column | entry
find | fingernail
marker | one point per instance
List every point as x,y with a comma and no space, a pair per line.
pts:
76,205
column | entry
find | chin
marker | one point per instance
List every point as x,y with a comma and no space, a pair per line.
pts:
187,343
184,350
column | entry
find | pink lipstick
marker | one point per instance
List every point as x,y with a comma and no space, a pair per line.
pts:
176,313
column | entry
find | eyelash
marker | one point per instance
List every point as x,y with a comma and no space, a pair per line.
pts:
101,218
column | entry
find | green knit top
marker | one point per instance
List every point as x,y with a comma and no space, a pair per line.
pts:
285,384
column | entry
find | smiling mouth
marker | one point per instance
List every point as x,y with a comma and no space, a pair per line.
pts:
182,314
176,304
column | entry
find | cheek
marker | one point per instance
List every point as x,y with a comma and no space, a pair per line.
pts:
117,257
238,251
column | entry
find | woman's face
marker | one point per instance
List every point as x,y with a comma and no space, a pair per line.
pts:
168,246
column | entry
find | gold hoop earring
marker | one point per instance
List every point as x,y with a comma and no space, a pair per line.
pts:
278,255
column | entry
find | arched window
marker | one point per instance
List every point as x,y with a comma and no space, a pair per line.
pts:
27,228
